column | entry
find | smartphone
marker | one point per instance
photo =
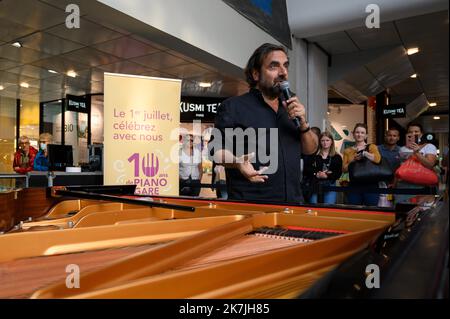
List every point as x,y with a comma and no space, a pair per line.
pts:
417,139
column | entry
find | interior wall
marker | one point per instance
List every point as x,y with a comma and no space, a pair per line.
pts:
210,25
342,120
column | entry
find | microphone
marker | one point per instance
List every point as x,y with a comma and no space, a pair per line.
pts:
287,94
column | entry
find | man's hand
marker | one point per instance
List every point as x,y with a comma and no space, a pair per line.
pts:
246,168
295,109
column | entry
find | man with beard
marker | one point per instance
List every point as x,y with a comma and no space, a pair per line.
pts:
390,151
261,113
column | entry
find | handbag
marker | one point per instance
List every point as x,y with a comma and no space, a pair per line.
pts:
366,171
412,171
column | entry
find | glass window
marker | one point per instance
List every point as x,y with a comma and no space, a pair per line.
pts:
52,120
7,138
29,121
76,134
97,119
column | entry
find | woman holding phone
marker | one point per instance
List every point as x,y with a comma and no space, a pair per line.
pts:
358,152
425,152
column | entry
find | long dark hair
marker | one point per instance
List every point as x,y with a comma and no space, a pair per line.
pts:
256,60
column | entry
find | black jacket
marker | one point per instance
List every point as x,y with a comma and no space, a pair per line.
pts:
316,164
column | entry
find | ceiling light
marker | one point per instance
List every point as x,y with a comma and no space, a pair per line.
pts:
24,85
436,117
52,71
1,87
205,84
412,51
432,104
414,76
72,73
17,44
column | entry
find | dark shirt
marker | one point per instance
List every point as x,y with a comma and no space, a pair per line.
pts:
251,111
392,157
316,164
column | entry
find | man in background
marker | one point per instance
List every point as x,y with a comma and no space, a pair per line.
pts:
390,151
24,156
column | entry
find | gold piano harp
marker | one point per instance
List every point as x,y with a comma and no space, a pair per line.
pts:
178,248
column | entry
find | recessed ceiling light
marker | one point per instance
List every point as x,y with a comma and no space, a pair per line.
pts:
205,84
52,71
1,87
436,118
17,44
432,104
24,85
72,73
414,75
412,51
59,101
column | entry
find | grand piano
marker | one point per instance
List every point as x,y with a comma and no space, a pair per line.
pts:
128,246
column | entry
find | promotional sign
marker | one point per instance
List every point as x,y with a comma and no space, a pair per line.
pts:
141,133
394,111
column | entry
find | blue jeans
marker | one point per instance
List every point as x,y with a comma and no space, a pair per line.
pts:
328,197
367,199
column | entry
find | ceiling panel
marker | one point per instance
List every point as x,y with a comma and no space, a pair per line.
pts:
22,55
31,71
7,64
48,43
391,68
32,13
367,39
20,90
90,57
89,33
364,82
126,48
160,61
188,71
125,67
94,74
429,33
60,64
335,43
95,48
6,77
51,96
61,4
407,87
11,31
150,42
